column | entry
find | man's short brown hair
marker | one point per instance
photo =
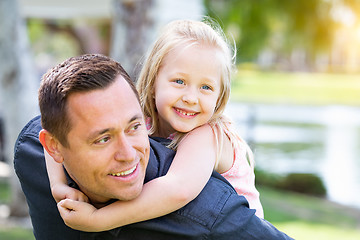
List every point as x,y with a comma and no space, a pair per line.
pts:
77,74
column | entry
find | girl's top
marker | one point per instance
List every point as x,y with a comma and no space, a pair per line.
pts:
241,174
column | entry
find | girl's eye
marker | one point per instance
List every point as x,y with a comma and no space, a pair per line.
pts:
206,87
179,81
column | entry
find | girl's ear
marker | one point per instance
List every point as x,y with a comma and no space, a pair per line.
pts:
51,145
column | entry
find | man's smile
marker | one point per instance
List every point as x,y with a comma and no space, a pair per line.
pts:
124,173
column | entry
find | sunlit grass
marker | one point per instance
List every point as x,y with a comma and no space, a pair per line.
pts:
309,231
306,217
16,234
4,192
11,232
296,88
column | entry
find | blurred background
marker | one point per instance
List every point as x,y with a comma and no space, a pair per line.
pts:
295,95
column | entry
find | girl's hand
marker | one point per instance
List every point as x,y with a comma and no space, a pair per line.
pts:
63,191
79,215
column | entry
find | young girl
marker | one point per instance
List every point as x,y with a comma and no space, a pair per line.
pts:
184,86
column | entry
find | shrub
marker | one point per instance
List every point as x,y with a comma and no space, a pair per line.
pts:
306,183
303,183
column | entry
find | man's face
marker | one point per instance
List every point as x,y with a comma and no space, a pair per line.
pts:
108,144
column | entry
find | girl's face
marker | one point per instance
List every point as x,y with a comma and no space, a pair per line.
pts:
187,88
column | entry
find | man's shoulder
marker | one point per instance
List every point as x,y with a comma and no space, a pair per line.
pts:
28,138
160,159
158,145
32,128
208,207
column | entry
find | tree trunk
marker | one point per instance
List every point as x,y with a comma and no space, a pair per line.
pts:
136,23
18,91
131,32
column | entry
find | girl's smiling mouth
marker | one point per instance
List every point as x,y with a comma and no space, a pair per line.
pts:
185,113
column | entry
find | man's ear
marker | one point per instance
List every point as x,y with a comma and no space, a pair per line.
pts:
51,145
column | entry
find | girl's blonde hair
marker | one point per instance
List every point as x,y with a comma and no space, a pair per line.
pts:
186,33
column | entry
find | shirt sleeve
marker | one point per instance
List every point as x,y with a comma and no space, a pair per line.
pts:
237,221
30,167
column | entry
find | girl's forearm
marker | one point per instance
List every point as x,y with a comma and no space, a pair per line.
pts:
159,197
187,176
55,170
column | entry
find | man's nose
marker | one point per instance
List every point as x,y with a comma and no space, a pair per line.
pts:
124,149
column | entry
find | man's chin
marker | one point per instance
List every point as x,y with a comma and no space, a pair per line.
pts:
129,194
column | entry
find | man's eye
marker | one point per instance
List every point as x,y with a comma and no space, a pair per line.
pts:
102,140
179,81
135,127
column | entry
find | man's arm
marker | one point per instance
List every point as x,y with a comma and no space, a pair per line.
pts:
30,167
237,221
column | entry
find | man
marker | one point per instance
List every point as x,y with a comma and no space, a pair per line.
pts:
93,124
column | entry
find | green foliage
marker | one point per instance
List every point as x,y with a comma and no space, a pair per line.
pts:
296,182
303,183
276,24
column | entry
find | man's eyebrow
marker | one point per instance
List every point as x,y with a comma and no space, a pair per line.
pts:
94,134
136,117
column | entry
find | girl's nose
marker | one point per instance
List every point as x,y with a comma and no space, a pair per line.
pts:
190,97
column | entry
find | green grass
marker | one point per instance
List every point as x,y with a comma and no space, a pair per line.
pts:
296,88
303,230
4,192
16,234
12,233
306,217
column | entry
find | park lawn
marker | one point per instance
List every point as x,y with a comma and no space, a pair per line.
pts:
295,88
310,218
17,233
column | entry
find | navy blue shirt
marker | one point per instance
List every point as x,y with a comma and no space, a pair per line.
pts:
217,213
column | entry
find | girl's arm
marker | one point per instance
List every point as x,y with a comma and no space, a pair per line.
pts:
188,174
59,189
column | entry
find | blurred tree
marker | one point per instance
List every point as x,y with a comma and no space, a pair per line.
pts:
132,26
281,26
247,21
18,99
53,40
86,34
136,24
